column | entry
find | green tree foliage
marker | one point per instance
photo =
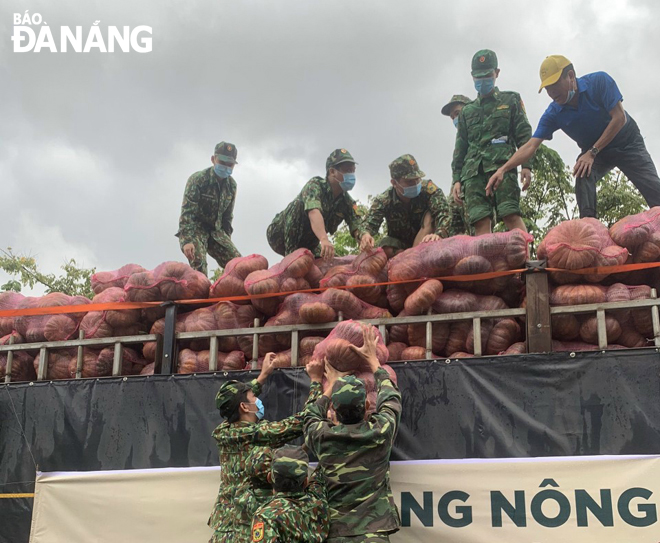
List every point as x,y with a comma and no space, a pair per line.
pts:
24,270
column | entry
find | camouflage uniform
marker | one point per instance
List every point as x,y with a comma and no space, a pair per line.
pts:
235,442
291,229
207,212
458,222
256,491
404,220
293,517
356,460
490,129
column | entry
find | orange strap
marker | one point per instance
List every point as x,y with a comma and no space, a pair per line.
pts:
124,306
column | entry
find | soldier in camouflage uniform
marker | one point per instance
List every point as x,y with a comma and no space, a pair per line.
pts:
297,513
241,433
458,223
355,454
207,211
414,209
256,491
489,130
322,205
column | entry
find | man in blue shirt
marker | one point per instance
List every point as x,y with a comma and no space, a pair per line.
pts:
589,110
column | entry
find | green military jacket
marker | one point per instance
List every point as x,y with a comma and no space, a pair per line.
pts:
404,221
356,461
235,442
317,194
490,129
289,517
208,206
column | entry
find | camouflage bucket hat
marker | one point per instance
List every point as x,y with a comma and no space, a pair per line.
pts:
258,463
226,400
337,157
290,463
405,167
349,391
226,152
456,99
483,62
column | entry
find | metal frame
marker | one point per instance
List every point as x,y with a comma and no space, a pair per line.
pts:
537,314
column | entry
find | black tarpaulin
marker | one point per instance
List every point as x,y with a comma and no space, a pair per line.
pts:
527,405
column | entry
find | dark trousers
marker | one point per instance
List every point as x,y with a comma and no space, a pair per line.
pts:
632,158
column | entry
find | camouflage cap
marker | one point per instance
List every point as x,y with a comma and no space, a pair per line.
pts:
349,390
405,167
258,463
456,99
290,463
226,152
483,62
337,157
226,400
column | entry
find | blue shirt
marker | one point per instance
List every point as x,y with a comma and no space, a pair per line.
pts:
597,96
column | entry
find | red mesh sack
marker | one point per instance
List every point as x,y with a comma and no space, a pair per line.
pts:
117,318
395,349
142,287
455,301
439,337
178,281
294,266
351,306
577,244
336,347
441,258
633,231
9,300
232,280
396,297
306,348
33,327
516,348
413,353
94,325
195,362
117,278
325,265
366,269
420,301
58,362
148,369
578,295
22,368
229,315
565,327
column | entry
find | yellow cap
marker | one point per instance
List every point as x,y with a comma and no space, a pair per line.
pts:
551,69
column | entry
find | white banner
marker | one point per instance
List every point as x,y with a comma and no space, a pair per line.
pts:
577,499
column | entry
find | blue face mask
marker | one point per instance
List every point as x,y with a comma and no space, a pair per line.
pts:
484,85
260,409
348,183
455,120
411,192
222,171
569,96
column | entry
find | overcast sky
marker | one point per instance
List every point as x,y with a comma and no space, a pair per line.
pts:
97,147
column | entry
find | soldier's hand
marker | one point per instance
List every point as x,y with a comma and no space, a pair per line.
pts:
430,237
494,182
267,368
456,193
525,178
315,369
327,249
369,349
366,242
331,373
583,165
189,251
